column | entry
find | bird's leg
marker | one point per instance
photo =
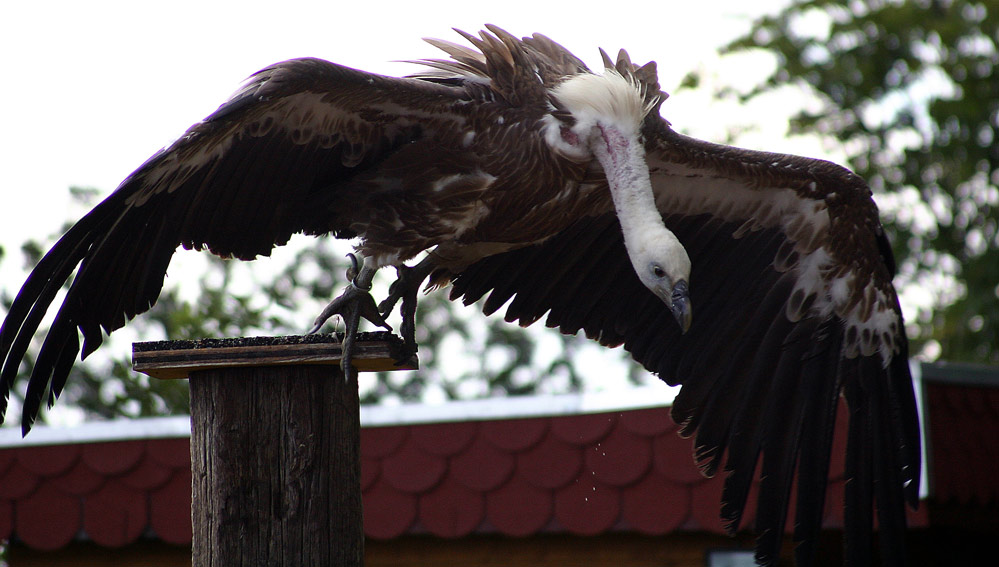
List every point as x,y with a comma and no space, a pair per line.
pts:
355,302
406,287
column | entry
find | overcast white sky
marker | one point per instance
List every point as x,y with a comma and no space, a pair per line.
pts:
91,89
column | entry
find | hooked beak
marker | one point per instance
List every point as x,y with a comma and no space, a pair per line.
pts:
680,305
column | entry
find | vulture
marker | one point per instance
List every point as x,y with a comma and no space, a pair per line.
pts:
760,283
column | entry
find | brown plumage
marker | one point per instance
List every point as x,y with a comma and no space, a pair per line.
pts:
481,160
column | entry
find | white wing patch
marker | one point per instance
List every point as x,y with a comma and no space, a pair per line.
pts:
823,287
691,192
478,181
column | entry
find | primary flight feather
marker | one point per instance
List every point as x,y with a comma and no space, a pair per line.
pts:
761,283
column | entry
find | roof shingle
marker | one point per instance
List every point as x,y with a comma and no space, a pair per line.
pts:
583,474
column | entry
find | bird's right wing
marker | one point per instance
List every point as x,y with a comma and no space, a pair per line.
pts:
793,306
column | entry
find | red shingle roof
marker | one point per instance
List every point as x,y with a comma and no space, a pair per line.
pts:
112,492
963,438
583,474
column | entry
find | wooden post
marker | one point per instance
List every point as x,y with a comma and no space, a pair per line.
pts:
277,452
275,446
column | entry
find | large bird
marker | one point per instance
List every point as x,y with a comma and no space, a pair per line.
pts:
761,283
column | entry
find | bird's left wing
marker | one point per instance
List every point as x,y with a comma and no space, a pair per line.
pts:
793,306
270,162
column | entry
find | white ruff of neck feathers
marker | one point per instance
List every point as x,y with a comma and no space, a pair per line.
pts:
610,109
610,98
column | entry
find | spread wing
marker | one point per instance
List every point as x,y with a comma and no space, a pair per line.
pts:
267,164
793,307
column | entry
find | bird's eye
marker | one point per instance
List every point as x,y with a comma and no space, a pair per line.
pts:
658,271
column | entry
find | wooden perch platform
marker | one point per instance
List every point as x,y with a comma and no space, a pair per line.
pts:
373,352
275,444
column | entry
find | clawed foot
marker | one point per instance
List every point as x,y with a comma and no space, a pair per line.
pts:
355,302
406,287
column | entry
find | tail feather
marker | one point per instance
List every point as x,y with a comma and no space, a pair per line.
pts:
62,343
35,296
51,369
821,371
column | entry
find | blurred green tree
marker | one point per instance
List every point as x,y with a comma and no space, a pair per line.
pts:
910,90
463,354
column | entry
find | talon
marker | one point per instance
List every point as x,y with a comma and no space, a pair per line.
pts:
354,303
405,287
353,272
349,372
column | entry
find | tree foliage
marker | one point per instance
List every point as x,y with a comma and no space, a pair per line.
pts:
910,90
463,354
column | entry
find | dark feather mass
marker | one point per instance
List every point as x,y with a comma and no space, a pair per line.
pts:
522,177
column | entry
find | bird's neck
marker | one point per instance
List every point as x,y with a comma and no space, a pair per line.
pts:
623,160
